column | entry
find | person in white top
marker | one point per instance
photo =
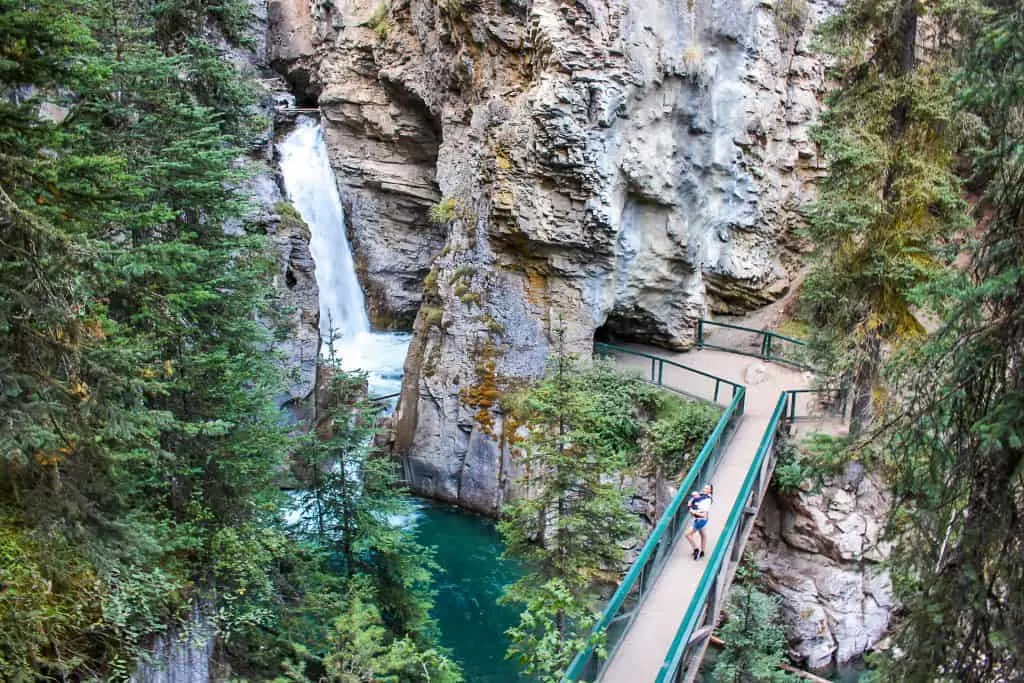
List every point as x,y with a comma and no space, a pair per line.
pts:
699,506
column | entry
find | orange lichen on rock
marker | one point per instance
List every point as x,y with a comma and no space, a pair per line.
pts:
485,392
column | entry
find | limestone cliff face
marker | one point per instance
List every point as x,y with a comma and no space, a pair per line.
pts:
297,323
821,550
601,163
617,164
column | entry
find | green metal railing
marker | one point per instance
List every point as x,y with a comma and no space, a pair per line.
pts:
625,603
657,372
771,345
695,630
833,402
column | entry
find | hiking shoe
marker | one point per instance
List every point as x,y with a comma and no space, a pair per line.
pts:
696,553
701,556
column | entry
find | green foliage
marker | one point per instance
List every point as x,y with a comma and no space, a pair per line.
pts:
890,202
361,650
755,640
956,442
678,433
810,462
140,444
351,496
585,426
379,21
791,471
793,327
356,587
466,270
790,17
47,586
443,212
136,387
571,523
432,316
493,326
539,644
430,282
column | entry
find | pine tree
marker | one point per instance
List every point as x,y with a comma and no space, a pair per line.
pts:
755,641
139,429
890,201
572,521
140,448
352,499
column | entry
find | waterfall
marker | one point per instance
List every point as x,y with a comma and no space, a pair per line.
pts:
309,182
310,185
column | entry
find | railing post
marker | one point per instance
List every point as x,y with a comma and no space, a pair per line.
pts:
653,363
767,344
661,371
700,333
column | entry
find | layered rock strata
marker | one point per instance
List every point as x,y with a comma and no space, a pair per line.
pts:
821,550
593,164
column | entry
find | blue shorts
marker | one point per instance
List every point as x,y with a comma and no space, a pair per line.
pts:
699,524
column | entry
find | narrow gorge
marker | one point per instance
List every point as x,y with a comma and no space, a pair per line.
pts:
507,170
623,167
446,341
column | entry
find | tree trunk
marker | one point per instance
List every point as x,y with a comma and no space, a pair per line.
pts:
864,381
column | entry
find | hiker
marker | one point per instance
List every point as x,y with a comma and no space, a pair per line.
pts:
699,505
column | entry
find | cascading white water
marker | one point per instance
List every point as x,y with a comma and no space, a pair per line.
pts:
309,182
467,602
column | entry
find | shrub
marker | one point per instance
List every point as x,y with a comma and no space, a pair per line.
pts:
430,282
466,270
443,212
432,316
379,21
492,325
678,434
790,16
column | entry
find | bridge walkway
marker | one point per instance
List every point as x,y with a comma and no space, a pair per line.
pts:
641,651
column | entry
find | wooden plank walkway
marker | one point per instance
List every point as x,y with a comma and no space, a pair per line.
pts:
643,648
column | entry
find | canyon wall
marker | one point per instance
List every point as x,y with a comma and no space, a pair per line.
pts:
601,164
518,174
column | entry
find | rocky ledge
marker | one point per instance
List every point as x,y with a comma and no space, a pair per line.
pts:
821,550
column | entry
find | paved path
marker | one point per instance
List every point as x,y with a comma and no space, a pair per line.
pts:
642,651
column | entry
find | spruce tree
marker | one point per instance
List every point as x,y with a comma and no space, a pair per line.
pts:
572,521
140,448
755,640
890,201
955,448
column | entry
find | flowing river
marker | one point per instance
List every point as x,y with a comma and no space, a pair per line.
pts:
468,548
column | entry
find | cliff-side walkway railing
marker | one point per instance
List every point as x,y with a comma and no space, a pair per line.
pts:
624,605
657,624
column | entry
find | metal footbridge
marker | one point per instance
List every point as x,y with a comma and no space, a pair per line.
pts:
658,623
